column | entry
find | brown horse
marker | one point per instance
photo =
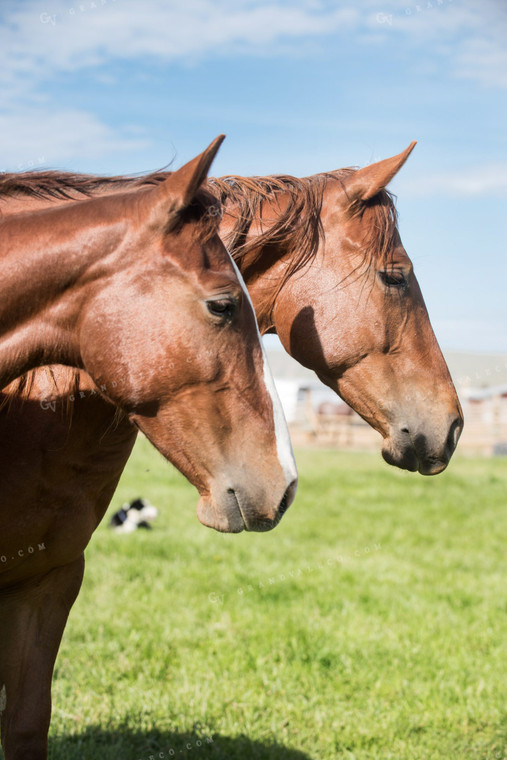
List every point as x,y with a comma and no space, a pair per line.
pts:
326,270
138,290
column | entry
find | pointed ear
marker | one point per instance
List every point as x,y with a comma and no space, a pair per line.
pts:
367,182
178,190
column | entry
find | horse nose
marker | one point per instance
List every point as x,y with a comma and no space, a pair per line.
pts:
430,451
268,521
231,507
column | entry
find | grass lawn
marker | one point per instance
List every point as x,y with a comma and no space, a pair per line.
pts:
372,623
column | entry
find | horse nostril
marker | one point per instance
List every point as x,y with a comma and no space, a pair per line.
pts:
454,434
405,430
284,504
287,499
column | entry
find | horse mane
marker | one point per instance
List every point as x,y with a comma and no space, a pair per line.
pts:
58,185
297,225
22,387
67,185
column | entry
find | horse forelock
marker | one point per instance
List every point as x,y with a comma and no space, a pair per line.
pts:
382,227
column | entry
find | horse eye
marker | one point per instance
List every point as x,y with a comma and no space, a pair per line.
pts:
393,278
222,307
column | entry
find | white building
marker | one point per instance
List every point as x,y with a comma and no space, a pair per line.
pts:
314,414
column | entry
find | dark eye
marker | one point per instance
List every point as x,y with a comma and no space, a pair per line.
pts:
222,307
393,278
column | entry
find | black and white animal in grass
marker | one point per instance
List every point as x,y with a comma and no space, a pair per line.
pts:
136,514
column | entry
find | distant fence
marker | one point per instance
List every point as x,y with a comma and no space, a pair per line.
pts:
485,430
484,434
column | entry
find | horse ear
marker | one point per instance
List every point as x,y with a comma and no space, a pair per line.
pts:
179,189
367,182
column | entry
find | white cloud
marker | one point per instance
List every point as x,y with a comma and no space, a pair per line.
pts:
489,180
426,18
46,40
485,61
31,138
42,39
468,37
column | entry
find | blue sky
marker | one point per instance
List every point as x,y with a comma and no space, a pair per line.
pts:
301,86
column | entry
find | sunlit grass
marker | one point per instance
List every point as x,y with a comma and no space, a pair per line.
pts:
372,623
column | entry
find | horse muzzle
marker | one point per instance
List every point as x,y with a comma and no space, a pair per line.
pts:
234,509
427,452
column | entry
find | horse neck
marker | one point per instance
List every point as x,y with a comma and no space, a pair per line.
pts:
49,268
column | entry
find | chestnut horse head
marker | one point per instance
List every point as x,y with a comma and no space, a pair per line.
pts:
326,269
138,290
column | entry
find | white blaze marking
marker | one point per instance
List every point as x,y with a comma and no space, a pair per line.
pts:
283,442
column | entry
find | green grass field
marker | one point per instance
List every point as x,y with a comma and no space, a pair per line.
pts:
372,623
